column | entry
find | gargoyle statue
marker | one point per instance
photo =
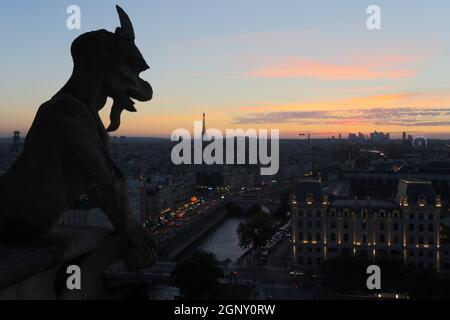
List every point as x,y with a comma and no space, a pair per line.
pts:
66,150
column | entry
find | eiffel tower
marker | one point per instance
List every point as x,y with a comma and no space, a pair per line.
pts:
204,136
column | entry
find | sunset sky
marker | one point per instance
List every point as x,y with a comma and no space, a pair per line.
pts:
293,65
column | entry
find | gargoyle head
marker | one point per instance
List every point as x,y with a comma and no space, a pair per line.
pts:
114,61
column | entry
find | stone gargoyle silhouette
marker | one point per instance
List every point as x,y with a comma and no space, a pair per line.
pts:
66,151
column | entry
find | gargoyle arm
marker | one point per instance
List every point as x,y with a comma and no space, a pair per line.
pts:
83,138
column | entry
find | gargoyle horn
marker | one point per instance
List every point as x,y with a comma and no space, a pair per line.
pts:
126,29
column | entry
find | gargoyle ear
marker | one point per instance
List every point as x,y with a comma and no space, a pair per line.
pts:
126,29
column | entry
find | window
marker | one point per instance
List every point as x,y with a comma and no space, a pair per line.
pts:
318,236
318,250
309,261
421,240
420,227
309,249
431,241
309,224
345,237
430,216
309,236
318,224
364,226
332,225
364,238
300,261
333,237
421,216
411,216
411,239
396,238
395,226
345,225
411,227
318,261
300,224
309,213
382,226
382,238
300,236
411,253
430,227
318,214
420,253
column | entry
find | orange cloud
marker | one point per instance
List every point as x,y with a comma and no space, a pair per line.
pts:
388,100
384,68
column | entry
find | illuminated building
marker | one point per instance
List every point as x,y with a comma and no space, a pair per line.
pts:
406,227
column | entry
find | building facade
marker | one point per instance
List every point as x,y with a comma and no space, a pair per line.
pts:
406,227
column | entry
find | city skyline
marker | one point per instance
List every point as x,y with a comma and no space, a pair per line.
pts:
301,67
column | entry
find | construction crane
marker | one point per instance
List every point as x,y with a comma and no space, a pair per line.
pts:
305,134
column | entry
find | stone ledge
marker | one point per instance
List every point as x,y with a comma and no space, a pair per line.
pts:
36,269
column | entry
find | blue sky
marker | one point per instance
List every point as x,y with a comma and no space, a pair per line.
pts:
247,63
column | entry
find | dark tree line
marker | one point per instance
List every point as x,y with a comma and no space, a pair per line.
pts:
197,275
347,273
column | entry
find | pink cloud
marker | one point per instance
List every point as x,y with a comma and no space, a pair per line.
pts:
385,68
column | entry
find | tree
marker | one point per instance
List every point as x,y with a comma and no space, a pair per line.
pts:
198,274
256,231
280,214
347,273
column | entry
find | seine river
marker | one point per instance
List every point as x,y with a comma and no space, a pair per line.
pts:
223,241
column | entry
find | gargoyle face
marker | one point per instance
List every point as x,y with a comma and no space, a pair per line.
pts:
123,83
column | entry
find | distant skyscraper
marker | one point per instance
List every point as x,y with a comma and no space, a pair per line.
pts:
404,136
16,137
380,137
17,144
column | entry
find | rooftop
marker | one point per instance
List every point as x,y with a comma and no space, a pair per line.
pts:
413,189
356,203
307,187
